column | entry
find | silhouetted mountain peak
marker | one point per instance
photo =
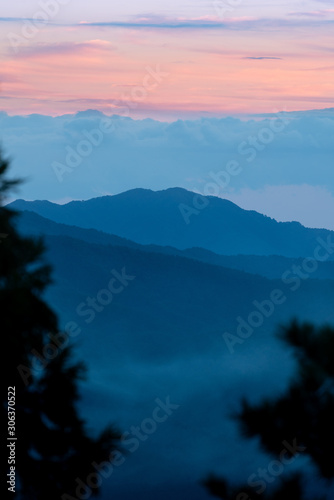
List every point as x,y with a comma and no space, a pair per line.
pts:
183,219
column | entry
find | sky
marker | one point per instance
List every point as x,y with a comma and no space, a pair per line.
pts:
173,74
282,165
217,57
215,96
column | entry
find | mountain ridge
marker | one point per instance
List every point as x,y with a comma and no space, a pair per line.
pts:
155,217
271,267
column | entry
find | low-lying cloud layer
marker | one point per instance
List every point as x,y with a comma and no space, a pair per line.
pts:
281,165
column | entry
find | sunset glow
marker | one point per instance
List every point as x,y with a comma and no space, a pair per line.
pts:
252,60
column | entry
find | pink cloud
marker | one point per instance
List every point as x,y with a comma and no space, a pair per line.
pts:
214,72
65,48
314,13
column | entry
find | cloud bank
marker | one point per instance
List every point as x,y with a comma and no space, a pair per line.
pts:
283,162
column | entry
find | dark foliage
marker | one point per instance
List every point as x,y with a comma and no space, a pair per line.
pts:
304,414
53,446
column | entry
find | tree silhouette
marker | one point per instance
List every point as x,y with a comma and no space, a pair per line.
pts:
303,416
53,451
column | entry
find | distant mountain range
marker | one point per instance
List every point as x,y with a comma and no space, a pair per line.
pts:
272,266
149,217
162,334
